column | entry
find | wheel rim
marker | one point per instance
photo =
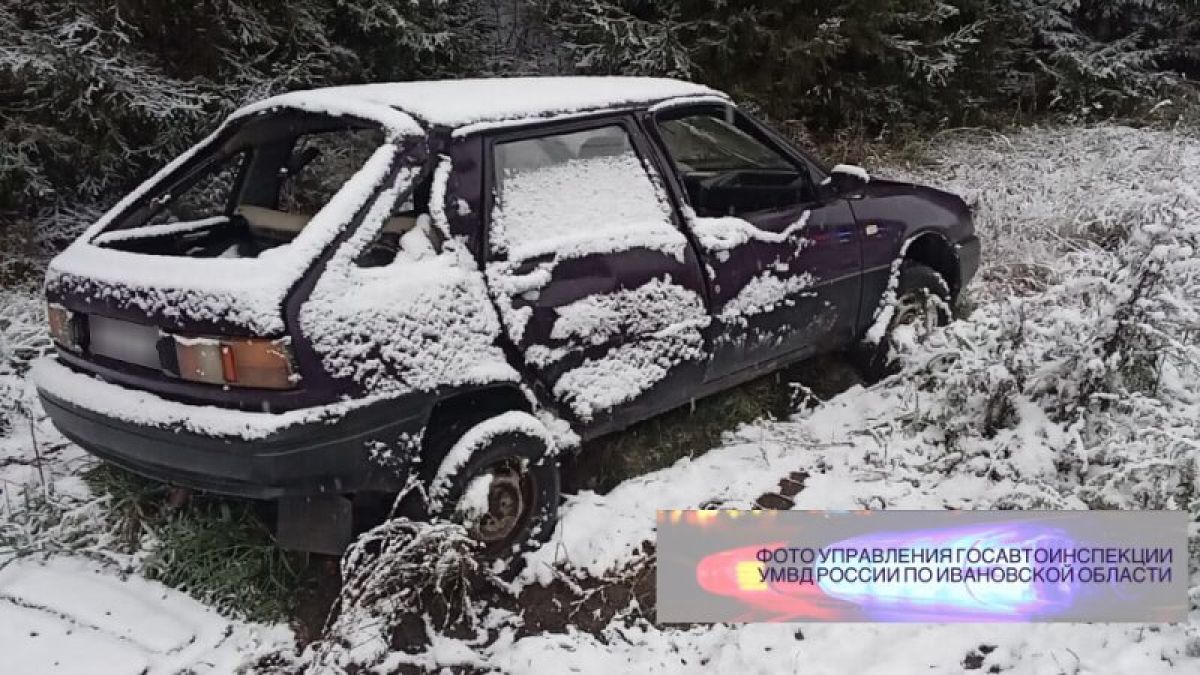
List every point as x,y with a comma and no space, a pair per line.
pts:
511,500
918,311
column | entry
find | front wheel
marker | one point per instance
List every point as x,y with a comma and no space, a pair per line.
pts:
921,304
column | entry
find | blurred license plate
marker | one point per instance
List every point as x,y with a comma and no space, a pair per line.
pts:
124,341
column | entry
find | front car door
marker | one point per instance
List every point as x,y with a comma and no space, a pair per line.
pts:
783,267
598,289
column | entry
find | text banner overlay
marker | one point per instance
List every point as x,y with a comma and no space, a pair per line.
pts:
922,566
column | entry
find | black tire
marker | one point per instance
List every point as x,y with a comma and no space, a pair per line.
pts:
526,467
918,285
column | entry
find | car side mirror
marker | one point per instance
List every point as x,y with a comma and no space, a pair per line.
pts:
846,181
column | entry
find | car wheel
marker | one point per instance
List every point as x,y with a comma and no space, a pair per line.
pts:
506,494
922,304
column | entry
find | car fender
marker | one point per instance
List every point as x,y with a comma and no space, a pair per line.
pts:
477,438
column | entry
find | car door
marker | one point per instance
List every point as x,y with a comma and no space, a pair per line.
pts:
783,266
598,289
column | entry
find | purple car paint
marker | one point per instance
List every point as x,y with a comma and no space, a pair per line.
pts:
335,277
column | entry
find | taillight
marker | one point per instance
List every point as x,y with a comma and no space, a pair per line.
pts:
66,328
239,362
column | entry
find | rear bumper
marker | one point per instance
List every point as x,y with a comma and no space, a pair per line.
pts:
309,457
968,260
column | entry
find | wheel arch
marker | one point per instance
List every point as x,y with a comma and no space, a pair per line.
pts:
931,248
452,415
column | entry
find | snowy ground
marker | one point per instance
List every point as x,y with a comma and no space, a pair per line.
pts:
1073,384
69,601
70,614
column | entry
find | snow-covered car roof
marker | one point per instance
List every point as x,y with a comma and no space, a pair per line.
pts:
456,103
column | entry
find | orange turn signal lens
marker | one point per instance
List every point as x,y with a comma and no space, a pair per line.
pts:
240,362
64,328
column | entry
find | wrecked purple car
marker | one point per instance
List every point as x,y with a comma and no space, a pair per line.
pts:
440,287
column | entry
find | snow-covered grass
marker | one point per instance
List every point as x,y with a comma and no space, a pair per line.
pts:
1073,384
77,595
79,546
1043,193
78,615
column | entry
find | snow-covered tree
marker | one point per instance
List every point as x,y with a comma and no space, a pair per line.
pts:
883,62
95,93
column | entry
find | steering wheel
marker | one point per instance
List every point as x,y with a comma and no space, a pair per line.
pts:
712,193
721,180
730,190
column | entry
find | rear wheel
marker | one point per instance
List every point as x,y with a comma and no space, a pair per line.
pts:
506,493
922,304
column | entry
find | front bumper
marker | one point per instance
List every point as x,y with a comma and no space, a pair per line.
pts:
968,260
315,455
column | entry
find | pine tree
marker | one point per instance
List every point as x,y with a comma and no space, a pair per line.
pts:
95,94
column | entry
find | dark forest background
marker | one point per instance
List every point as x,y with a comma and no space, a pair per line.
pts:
94,94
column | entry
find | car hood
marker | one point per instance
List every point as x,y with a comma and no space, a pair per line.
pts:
883,187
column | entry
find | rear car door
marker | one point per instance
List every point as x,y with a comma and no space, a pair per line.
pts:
783,267
598,289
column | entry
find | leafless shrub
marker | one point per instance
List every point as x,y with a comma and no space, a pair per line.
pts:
398,573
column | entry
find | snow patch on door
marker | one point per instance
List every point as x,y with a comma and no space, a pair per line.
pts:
412,325
651,307
628,371
509,285
729,232
665,324
764,293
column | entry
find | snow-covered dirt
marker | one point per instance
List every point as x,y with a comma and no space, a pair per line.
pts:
1073,384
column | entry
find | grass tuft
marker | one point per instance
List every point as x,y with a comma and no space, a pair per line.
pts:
218,550
221,552
684,432
692,430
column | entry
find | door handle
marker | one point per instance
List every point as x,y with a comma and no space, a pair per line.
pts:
843,233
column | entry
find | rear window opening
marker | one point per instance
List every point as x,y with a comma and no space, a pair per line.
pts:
257,192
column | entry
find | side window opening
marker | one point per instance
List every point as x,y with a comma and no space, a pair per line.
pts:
258,192
317,166
199,205
581,184
727,168
208,196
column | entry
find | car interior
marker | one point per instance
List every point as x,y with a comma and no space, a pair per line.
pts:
727,167
260,191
